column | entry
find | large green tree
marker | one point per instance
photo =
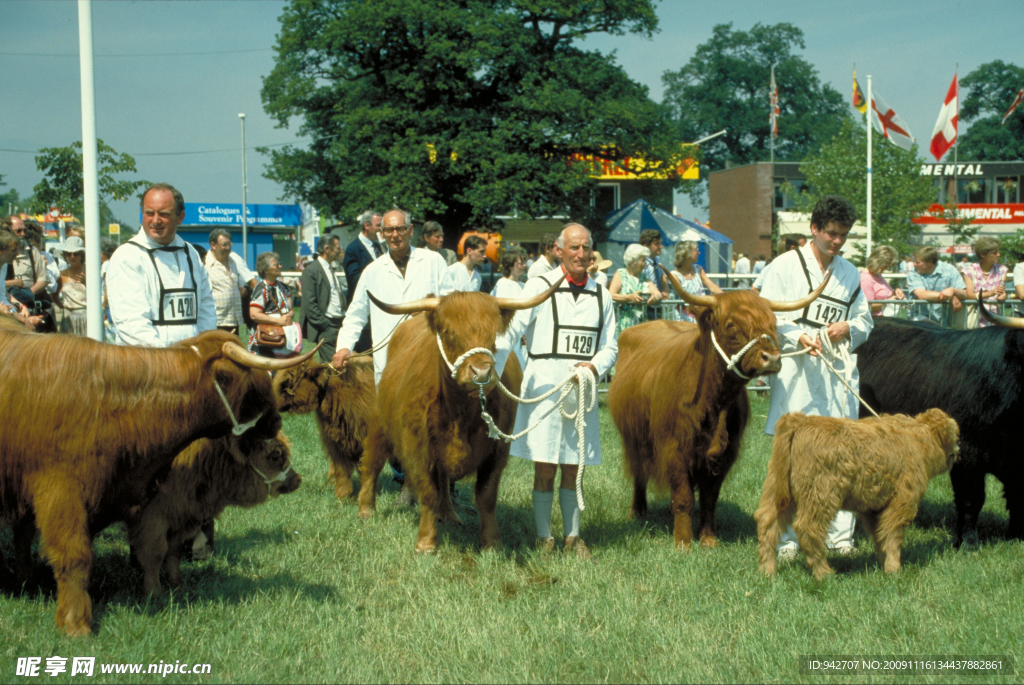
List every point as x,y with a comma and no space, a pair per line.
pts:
899,191
63,187
725,85
457,110
990,90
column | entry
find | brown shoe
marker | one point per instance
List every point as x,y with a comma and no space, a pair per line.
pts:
545,545
572,542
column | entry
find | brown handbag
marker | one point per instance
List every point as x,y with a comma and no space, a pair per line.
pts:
270,335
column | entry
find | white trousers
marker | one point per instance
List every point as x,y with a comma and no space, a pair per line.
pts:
840,533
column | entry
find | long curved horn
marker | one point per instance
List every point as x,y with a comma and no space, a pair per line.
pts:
528,302
239,354
427,303
802,302
692,300
999,319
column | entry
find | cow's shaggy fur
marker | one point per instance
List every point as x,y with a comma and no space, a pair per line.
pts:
204,480
343,401
681,414
876,467
97,425
433,422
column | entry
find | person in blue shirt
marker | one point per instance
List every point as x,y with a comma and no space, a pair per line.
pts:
936,282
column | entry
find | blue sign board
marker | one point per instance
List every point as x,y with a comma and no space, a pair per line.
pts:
229,215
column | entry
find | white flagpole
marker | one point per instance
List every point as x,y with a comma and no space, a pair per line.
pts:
90,176
871,108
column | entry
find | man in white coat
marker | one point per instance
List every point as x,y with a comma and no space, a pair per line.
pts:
403,274
574,327
158,290
804,384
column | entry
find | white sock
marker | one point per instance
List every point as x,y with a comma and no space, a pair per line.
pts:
542,502
570,512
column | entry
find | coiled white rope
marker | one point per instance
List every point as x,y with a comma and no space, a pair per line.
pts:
586,400
733,363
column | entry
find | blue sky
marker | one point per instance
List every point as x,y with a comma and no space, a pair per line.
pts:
172,77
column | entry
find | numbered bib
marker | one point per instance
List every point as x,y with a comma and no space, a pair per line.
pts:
179,307
573,343
824,313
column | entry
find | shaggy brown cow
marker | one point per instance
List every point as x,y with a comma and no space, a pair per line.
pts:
876,467
432,421
680,411
343,400
204,480
95,425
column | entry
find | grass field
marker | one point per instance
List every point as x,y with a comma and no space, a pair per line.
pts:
301,591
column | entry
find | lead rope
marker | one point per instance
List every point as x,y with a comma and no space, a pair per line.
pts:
586,383
270,481
838,352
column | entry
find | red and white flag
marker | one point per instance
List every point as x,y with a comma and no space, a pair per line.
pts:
773,98
888,123
944,134
1016,101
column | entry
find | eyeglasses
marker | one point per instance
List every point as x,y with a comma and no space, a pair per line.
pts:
394,229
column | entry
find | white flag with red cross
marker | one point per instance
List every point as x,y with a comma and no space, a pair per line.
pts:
1013,105
944,134
888,123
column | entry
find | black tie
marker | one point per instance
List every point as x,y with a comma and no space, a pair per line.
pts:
377,252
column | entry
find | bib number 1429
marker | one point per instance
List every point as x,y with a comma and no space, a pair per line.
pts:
579,344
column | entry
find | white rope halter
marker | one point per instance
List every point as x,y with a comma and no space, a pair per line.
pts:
733,364
586,389
239,427
281,477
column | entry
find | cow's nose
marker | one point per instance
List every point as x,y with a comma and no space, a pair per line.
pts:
481,370
771,361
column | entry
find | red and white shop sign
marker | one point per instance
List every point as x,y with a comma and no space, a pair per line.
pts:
980,214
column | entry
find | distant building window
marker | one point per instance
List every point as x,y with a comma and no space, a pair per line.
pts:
1007,189
606,198
973,191
786,200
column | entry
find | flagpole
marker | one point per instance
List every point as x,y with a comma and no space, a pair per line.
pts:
956,147
871,107
90,175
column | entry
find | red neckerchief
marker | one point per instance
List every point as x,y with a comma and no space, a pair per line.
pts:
576,283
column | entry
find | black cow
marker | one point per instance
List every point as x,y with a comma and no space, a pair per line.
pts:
974,376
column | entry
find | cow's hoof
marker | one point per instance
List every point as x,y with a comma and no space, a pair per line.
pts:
365,514
426,550
683,545
709,542
78,628
637,514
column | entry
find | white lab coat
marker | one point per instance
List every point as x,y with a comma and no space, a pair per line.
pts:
554,440
506,287
463,279
804,384
539,267
133,292
426,274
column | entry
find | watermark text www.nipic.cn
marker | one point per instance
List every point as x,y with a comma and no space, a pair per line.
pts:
33,666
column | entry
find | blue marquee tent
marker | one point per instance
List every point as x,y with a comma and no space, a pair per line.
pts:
627,223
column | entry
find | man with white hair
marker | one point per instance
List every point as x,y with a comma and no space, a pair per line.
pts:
574,327
402,274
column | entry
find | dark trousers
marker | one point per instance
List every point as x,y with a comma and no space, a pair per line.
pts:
330,337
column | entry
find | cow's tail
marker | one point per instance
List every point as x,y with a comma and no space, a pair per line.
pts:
775,511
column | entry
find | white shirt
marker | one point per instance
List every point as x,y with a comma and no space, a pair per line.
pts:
52,272
425,275
541,266
506,287
601,278
463,279
555,439
804,383
759,266
133,291
335,308
244,274
3,286
742,266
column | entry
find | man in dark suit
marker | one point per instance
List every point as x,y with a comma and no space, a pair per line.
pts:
358,255
323,299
